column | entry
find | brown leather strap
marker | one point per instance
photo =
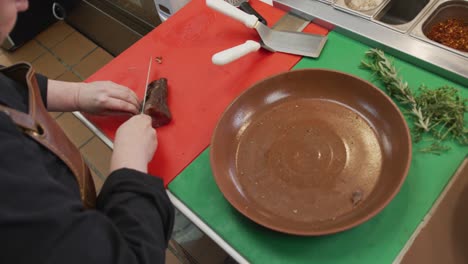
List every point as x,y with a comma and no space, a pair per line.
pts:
24,121
40,126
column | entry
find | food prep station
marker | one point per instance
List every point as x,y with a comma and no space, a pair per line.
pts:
398,27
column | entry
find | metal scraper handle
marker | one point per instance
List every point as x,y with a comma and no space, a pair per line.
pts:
229,55
233,12
247,8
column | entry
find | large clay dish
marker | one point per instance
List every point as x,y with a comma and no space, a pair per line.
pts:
311,152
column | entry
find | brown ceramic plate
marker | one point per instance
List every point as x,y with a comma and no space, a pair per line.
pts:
311,152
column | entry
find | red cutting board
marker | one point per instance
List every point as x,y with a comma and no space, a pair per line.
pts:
198,90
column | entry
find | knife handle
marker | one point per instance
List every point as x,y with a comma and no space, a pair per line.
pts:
247,8
233,12
234,53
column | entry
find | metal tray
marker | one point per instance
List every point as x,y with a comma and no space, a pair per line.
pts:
442,10
401,15
343,5
425,54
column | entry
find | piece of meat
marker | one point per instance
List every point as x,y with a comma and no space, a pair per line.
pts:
156,103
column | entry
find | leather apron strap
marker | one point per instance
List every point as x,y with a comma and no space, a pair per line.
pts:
40,126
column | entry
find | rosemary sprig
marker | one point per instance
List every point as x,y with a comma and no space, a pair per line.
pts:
396,87
435,148
438,113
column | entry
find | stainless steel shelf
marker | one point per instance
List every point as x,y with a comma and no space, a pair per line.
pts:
402,45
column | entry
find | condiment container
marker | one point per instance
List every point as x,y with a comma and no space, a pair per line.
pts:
363,8
441,11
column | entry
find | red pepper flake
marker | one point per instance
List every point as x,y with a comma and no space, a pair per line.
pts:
451,32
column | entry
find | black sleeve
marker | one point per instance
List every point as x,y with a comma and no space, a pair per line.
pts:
133,224
42,83
43,221
137,203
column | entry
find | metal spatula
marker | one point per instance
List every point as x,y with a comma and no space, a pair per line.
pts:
304,44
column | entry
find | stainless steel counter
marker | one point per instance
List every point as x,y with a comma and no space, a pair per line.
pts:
440,60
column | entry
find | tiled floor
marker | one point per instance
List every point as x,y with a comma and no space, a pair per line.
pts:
62,53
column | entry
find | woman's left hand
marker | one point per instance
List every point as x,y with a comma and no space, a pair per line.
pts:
100,97
106,97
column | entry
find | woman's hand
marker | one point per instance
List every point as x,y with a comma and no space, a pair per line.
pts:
134,145
100,97
106,97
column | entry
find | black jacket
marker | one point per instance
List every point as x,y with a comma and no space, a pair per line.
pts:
41,215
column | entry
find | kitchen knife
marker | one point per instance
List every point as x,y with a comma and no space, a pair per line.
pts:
247,8
146,87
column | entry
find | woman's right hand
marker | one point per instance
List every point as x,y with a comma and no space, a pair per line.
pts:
134,145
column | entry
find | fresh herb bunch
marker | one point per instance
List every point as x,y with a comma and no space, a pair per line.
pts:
439,112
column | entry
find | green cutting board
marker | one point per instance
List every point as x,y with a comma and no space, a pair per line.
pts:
376,241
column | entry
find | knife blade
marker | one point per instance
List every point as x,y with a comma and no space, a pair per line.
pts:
146,87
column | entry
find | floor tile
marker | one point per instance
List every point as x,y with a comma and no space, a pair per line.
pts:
69,76
74,48
29,52
55,114
5,61
48,65
98,154
98,182
54,34
74,129
444,239
198,248
171,258
93,62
